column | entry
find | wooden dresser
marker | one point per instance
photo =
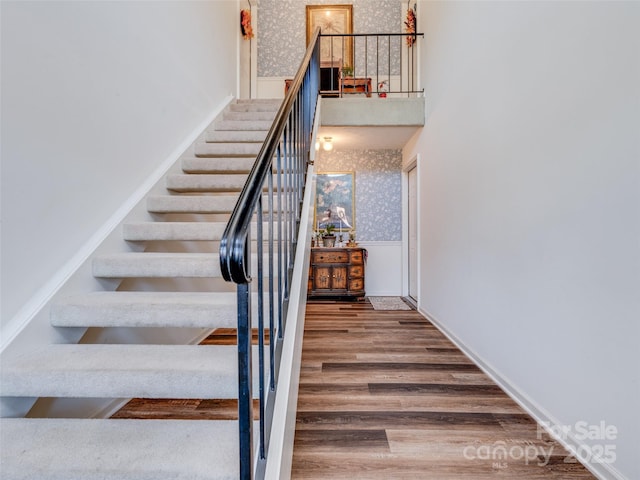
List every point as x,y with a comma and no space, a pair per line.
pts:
337,272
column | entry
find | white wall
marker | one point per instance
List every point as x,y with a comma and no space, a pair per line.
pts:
95,97
530,203
383,270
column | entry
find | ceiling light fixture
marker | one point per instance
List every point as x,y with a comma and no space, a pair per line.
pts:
328,144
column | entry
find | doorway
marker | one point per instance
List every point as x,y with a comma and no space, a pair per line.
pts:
412,230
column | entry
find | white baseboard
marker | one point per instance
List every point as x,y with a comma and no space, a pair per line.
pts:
602,470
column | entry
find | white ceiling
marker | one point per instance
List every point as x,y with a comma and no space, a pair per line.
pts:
368,138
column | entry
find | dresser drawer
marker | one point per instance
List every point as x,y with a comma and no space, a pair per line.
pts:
330,257
356,271
355,256
356,284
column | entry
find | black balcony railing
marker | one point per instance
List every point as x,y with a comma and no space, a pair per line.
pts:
272,196
379,64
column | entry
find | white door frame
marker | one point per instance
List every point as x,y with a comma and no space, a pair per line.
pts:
414,163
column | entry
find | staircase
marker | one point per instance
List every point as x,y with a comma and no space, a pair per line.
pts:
172,281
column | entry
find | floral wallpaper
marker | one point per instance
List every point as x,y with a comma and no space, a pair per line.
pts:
281,43
378,189
282,30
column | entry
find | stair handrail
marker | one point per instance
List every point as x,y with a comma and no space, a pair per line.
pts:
233,245
283,159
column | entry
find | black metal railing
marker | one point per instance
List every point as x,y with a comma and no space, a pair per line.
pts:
371,63
273,196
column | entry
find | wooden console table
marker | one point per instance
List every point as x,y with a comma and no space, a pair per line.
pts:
337,272
350,85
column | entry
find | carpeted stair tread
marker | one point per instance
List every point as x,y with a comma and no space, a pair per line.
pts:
182,231
227,149
249,116
222,203
242,125
205,182
191,203
91,449
161,265
145,231
254,101
146,309
124,371
156,265
218,164
261,106
214,136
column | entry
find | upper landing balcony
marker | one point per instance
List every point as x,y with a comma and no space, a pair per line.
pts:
372,81
361,123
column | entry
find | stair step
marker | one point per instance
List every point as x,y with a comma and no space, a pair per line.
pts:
255,136
161,265
157,265
217,164
243,125
221,203
146,309
270,106
191,203
92,449
187,231
227,149
181,231
249,116
211,310
205,182
254,101
124,371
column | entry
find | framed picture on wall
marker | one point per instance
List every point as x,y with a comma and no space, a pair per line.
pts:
335,201
336,20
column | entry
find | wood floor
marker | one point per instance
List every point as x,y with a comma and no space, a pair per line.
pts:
384,395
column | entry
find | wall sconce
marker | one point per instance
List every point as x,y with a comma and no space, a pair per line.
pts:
328,144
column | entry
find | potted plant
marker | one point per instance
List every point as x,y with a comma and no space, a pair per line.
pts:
328,238
347,71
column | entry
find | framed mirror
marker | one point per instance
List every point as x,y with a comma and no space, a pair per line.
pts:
335,52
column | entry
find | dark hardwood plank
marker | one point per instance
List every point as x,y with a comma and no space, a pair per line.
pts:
405,367
391,419
433,388
336,439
